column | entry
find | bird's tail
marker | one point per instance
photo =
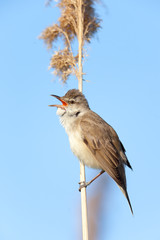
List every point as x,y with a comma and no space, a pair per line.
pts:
124,191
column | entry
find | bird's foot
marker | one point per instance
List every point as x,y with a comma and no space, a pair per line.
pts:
83,184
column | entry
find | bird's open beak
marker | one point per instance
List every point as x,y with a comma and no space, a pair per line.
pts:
64,104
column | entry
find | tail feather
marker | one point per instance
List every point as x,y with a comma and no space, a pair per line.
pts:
127,197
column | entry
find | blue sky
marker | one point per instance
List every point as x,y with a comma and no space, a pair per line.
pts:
39,175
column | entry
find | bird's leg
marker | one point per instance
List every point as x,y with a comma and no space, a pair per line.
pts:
85,184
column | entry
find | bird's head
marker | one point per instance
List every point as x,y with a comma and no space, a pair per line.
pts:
73,103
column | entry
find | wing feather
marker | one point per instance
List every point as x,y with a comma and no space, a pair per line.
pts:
104,144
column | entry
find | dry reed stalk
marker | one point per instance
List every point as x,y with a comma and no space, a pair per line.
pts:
80,86
78,20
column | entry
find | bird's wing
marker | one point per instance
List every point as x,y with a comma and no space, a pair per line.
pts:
104,144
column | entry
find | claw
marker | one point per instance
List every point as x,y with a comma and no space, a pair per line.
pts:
82,185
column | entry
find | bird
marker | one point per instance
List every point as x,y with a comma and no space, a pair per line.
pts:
92,140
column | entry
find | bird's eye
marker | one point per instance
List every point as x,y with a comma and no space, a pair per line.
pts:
72,101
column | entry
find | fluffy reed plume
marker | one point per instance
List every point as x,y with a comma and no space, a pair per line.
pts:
64,62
